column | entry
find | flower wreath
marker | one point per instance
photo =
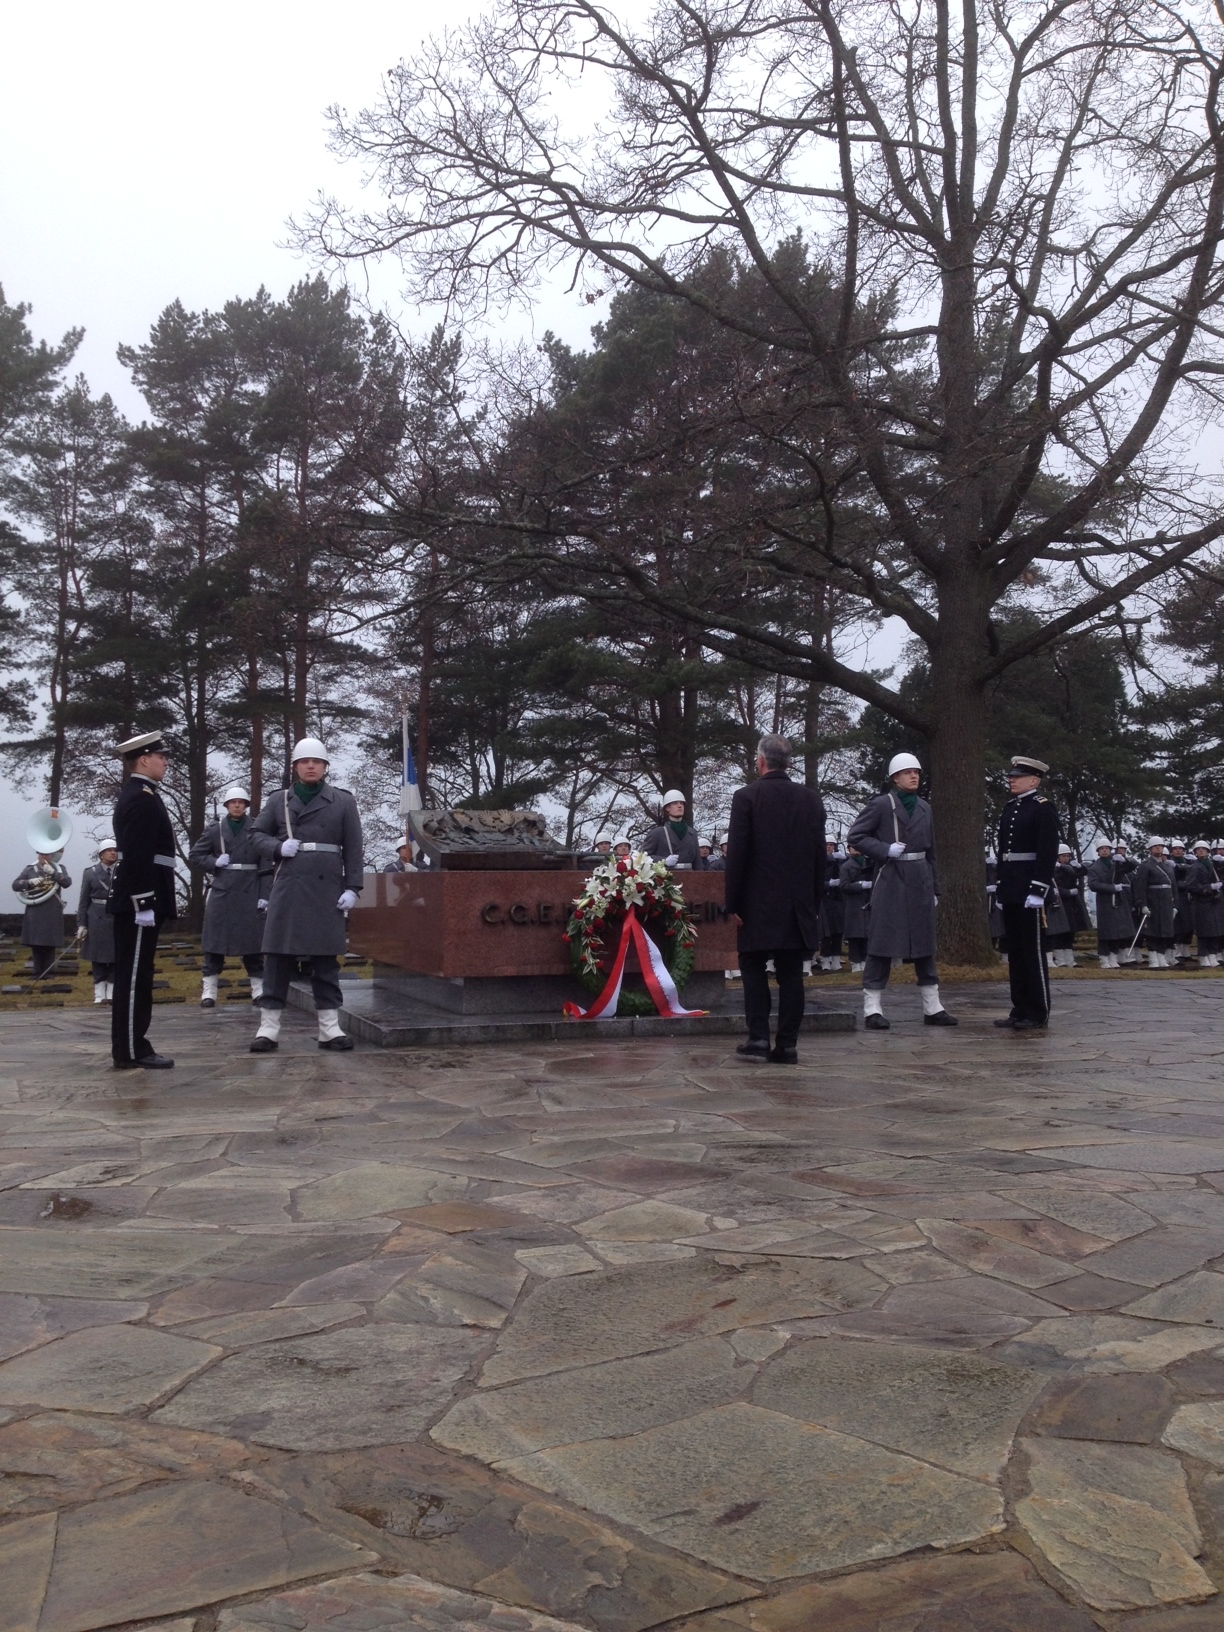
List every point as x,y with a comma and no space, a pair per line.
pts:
615,886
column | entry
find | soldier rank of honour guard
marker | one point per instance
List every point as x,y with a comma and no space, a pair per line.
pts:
142,898
95,925
239,877
311,832
1028,855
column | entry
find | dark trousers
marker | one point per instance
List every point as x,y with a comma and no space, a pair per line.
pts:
135,949
830,946
877,969
214,962
758,1000
102,971
281,967
1026,964
857,945
42,957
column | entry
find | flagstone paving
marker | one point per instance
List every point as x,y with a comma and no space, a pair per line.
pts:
925,1335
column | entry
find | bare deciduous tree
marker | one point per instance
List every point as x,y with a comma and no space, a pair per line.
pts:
1020,206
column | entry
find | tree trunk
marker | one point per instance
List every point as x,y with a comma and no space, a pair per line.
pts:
958,793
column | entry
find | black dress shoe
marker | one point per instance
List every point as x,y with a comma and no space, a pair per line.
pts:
876,1022
1028,1025
784,1056
753,1049
264,1045
155,1062
208,1002
127,1065
338,1045
941,1017
1005,1025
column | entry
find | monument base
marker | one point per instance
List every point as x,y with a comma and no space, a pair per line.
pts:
519,994
385,1020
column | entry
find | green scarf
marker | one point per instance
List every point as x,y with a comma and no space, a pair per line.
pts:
678,828
235,823
307,790
909,800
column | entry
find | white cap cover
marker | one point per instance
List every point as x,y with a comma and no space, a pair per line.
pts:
235,793
622,838
105,844
673,796
310,748
1065,850
601,838
903,762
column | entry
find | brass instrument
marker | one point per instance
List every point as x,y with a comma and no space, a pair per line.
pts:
47,834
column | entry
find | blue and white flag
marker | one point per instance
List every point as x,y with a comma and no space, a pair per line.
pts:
410,793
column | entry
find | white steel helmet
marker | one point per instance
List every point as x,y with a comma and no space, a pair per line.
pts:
236,793
310,748
104,845
903,762
673,796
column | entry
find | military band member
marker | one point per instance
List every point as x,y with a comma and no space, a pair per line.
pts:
673,840
896,831
95,924
312,832
1028,852
142,899
855,875
239,879
1203,888
42,922
1155,892
1115,925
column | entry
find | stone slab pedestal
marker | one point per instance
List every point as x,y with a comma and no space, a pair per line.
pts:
516,994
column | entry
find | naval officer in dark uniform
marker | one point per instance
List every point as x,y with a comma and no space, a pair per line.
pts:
142,899
1028,854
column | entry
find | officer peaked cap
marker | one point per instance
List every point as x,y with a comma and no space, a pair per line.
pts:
1029,767
150,743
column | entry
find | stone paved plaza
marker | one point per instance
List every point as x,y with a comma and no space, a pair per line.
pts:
922,1336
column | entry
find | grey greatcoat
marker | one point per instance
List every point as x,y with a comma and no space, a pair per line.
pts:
1207,900
303,919
43,925
233,924
1114,920
856,880
1068,880
1056,920
1154,886
1183,924
903,897
93,917
660,842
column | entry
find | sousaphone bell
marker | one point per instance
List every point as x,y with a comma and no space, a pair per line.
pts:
47,834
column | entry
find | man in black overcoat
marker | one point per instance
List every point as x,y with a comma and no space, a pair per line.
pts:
1028,854
773,882
142,899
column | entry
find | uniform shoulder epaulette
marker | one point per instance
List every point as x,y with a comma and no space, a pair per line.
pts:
1042,800
146,789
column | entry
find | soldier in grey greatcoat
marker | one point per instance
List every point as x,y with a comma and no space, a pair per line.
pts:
1204,890
1183,923
674,840
239,878
1067,881
1124,872
1058,936
1115,925
896,831
856,874
1154,888
42,924
312,832
96,924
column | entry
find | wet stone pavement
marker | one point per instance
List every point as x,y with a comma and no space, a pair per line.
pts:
925,1335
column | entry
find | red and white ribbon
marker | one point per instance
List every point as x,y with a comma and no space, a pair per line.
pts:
655,973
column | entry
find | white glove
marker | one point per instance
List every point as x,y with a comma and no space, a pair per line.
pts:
865,885
145,919
895,850
1034,900
991,888
670,861
347,901
290,847
261,905
222,860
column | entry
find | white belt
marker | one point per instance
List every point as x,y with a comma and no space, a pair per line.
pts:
1019,855
335,849
1160,886
242,867
163,861
911,855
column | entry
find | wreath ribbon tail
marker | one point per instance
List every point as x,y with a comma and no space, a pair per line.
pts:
657,976
610,996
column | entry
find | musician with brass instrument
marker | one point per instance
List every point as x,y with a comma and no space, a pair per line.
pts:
39,886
